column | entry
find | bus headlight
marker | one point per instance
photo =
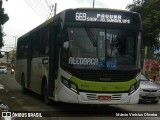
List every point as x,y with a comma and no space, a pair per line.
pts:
65,82
69,84
134,87
138,77
73,87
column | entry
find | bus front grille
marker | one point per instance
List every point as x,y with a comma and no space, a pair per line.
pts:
114,97
104,75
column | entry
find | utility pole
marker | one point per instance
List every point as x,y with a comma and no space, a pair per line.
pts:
55,9
93,3
15,40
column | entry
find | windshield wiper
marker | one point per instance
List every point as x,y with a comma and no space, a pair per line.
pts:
91,36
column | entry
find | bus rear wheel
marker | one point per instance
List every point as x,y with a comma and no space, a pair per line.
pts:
45,93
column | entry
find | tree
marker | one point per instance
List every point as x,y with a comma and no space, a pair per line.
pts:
150,13
3,18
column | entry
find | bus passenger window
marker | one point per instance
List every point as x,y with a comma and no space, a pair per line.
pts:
26,51
46,50
44,43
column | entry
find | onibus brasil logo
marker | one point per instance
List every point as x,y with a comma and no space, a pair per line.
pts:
21,114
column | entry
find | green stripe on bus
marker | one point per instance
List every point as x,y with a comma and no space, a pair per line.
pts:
103,86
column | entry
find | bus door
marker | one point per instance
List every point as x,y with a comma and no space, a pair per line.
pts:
53,70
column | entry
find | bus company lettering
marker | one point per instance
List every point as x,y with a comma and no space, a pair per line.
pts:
83,61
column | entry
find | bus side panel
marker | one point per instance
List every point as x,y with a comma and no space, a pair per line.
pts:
21,68
35,74
39,70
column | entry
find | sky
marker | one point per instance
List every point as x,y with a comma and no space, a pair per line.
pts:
24,15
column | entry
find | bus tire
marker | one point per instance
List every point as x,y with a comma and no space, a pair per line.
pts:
24,90
45,92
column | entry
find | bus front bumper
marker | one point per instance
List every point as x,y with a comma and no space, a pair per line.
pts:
69,96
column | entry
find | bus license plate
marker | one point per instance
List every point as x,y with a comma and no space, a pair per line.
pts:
108,98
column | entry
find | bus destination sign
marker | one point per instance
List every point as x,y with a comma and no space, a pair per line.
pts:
107,17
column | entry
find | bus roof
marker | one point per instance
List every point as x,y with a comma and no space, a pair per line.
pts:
104,9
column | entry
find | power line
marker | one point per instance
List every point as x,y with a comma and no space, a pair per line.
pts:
39,6
48,5
41,3
51,13
34,10
49,2
42,8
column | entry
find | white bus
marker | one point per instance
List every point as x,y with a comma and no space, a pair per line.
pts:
84,56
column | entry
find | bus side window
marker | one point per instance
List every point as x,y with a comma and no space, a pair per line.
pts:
21,51
35,44
26,51
44,43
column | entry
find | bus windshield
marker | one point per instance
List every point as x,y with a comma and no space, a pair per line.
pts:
97,48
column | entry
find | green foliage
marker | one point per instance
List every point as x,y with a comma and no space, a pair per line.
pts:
150,13
3,18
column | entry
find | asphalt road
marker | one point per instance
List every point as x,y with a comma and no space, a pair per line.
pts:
12,99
